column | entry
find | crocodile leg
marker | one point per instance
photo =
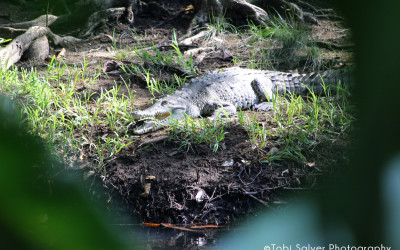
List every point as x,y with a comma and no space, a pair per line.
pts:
263,87
223,110
263,106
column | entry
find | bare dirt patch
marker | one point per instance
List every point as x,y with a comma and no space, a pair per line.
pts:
231,184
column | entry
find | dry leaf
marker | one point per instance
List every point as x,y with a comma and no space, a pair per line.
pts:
110,66
146,188
150,177
273,150
62,53
205,226
150,224
228,163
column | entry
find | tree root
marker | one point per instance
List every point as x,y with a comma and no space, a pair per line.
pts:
303,11
34,39
12,53
234,8
39,49
10,33
100,18
311,17
43,20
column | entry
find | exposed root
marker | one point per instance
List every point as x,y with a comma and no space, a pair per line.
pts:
32,37
233,8
43,20
13,52
39,49
101,18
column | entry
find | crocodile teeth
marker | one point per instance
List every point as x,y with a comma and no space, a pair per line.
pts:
158,116
161,116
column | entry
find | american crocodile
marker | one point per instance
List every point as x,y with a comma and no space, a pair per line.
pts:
222,92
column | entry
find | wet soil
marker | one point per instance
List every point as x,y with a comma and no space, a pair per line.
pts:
190,186
163,183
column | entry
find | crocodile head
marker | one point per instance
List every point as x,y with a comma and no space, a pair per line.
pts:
158,115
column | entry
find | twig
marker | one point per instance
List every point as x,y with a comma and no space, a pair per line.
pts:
255,198
334,46
313,7
238,175
289,188
93,50
273,188
209,199
154,140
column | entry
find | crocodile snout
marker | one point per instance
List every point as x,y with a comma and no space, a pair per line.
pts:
139,114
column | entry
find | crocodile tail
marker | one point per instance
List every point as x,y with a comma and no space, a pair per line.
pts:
319,83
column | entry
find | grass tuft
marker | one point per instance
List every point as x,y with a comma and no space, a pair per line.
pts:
281,42
300,124
66,119
196,131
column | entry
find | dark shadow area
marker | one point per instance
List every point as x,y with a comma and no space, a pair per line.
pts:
42,205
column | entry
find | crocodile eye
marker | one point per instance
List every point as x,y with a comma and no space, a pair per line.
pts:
163,103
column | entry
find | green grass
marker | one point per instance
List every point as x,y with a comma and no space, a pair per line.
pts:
95,126
152,55
196,131
219,26
151,61
66,119
185,64
257,131
2,40
281,42
300,124
156,86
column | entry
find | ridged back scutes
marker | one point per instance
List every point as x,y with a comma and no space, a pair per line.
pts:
284,82
318,82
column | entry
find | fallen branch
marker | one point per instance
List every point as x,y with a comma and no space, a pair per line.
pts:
154,140
334,46
255,198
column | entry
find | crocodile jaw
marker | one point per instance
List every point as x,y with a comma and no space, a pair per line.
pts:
156,117
144,114
146,127
148,123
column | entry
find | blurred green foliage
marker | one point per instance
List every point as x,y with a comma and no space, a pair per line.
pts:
39,209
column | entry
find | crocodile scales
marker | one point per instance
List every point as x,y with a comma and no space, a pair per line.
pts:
224,91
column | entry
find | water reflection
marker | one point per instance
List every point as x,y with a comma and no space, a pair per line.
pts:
167,238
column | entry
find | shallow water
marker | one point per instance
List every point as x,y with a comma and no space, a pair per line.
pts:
167,238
